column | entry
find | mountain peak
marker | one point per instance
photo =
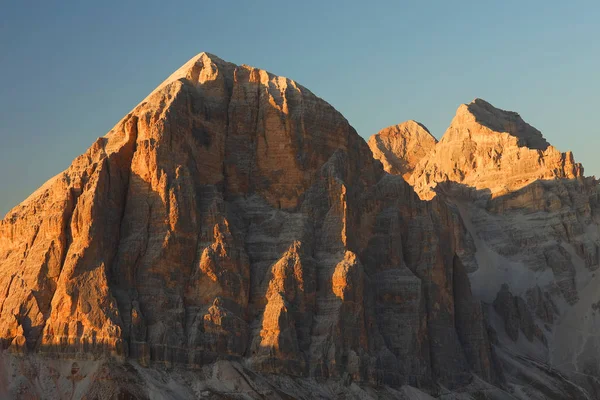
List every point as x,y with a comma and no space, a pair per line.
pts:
411,125
198,69
491,149
400,147
496,120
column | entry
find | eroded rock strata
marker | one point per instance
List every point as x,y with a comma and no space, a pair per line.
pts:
233,236
533,217
233,215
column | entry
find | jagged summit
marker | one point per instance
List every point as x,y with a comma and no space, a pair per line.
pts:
196,64
207,64
400,147
205,68
496,120
491,150
472,147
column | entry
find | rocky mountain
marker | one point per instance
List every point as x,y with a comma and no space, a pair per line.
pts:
534,219
400,147
489,149
233,237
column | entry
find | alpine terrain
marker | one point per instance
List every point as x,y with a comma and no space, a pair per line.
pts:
234,237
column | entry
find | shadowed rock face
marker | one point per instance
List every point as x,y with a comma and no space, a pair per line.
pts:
234,215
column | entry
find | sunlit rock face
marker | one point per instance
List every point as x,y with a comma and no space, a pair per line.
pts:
400,147
534,221
233,215
492,150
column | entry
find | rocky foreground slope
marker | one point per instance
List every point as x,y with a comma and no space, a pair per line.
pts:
233,237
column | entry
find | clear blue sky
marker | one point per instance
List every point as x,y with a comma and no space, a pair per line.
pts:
69,70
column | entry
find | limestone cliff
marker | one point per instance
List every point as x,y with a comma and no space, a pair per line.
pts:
534,221
235,223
